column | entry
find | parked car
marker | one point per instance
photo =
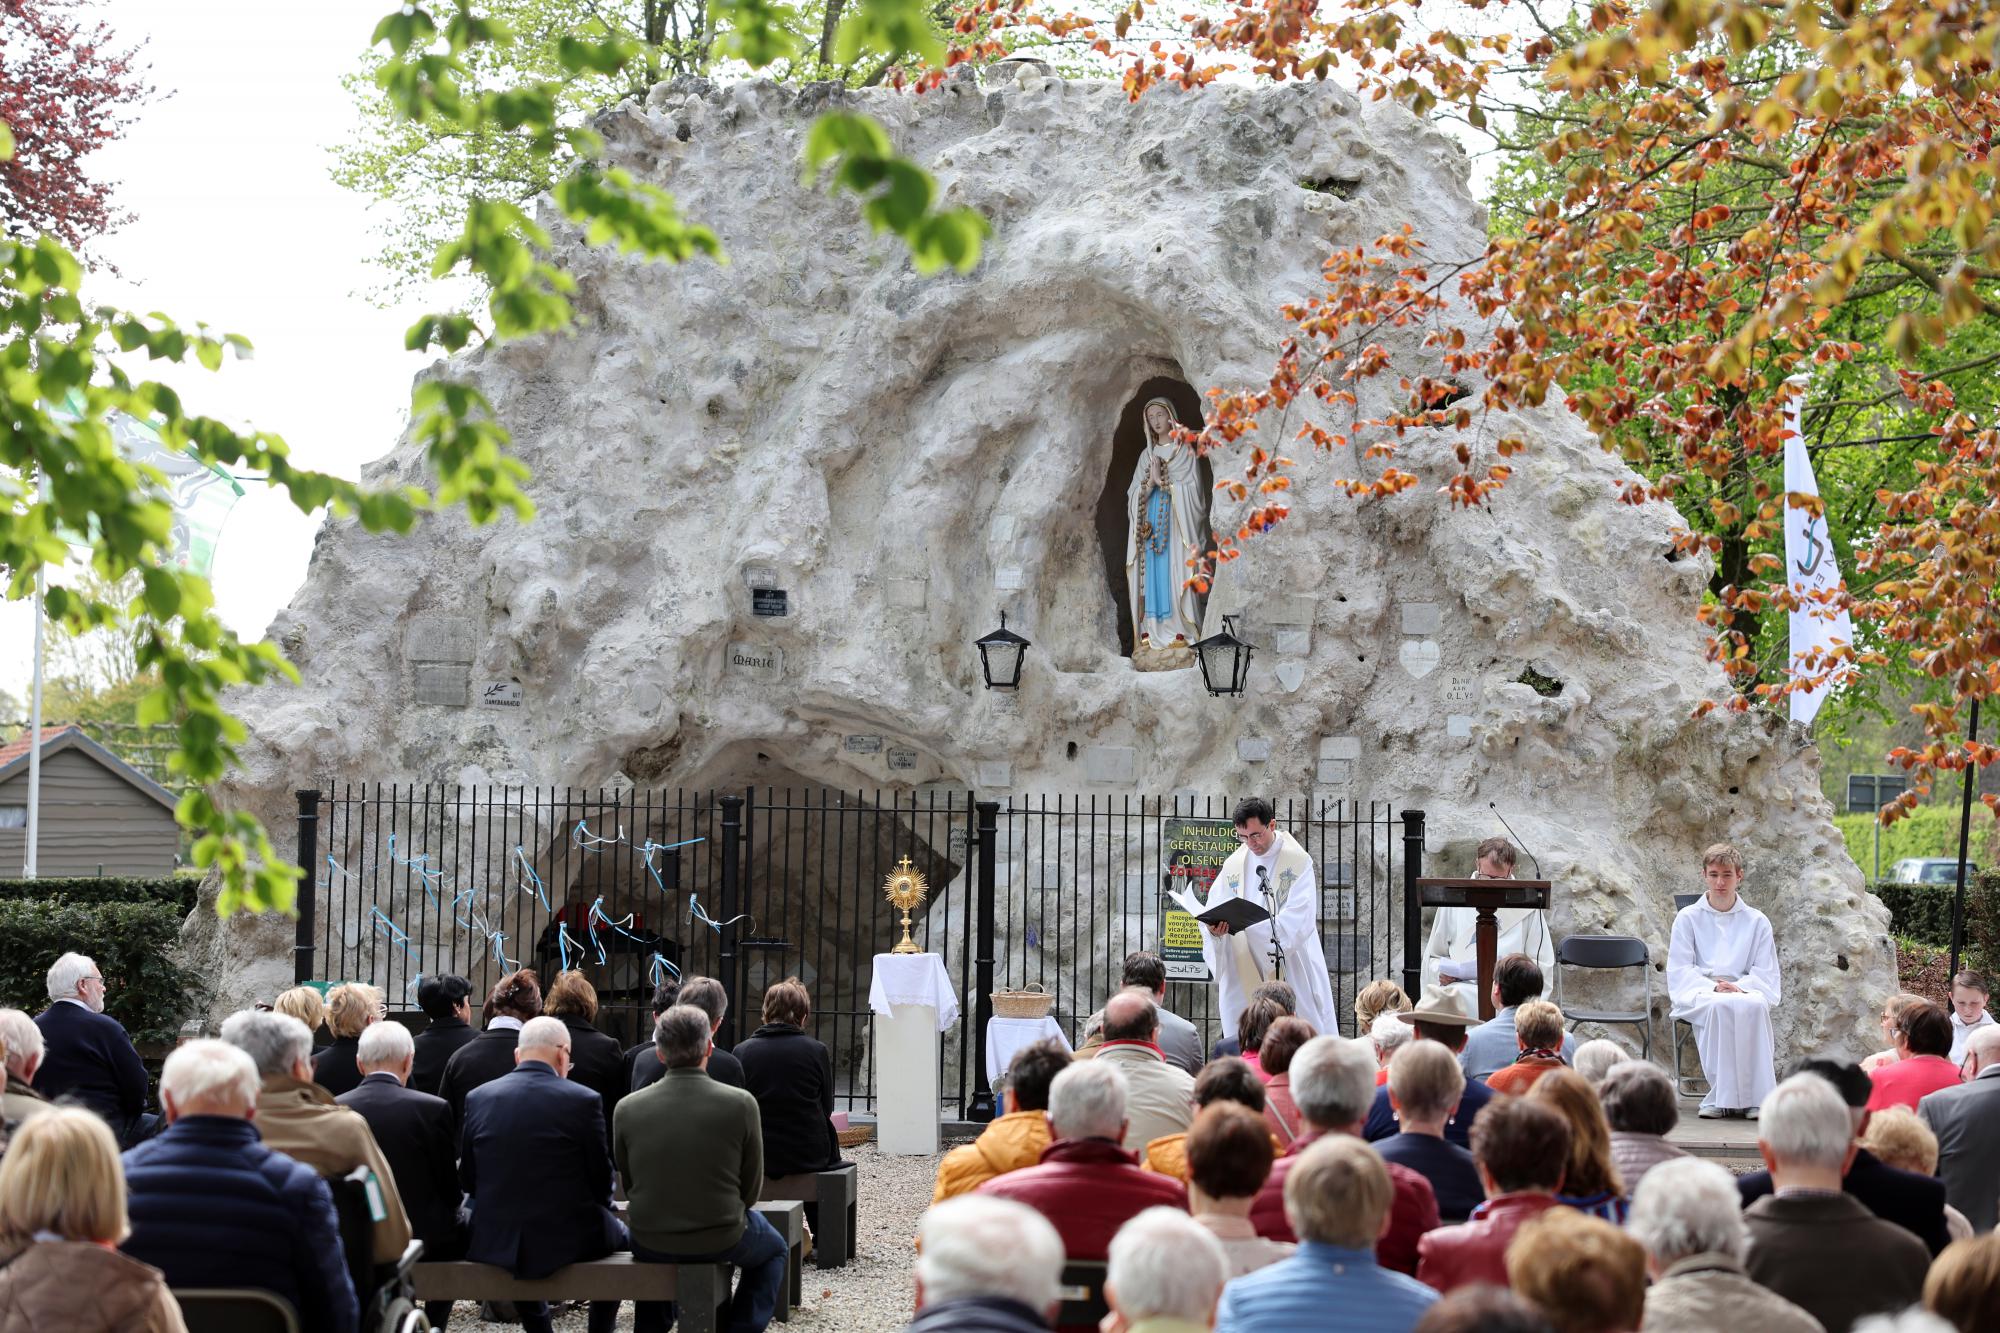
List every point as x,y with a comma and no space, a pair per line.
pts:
1929,870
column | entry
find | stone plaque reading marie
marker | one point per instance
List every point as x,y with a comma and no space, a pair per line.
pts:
755,661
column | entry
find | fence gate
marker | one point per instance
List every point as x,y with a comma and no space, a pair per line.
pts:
750,887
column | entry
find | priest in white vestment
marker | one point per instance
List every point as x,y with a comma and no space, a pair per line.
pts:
1722,976
1273,870
1451,955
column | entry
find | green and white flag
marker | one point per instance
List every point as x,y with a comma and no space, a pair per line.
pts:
201,494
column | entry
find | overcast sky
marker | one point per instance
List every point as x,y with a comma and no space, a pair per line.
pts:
239,224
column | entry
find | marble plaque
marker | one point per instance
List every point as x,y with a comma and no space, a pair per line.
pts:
1290,675
1110,763
1009,578
862,745
1293,642
443,683
901,760
1253,749
770,602
1457,724
500,694
1420,657
1335,772
1340,747
760,576
756,661
1459,692
1422,619
996,774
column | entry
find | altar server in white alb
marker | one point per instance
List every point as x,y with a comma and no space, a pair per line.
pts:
1271,869
1451,955
1722,975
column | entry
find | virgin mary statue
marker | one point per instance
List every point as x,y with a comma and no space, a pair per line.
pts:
1167,508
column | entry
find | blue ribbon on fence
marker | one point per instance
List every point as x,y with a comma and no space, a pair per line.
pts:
659,967
420,865
521,855
393,931
696,915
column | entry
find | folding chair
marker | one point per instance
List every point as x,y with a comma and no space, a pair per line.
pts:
1608,953
1683,1031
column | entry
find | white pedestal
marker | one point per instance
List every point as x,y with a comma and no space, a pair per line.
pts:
906,1081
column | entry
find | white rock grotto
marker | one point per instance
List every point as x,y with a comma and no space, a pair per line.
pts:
908,457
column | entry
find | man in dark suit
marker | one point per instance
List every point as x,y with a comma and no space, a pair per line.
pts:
87,1057
447,1002
707,995
536,1167
417,1134
1964,1118
1811,1241
1911,1201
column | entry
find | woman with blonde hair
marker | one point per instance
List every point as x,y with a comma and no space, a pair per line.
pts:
305,1004
1898,1137
349,1011
1374,1000
1591,1184
62,1215
1963,1286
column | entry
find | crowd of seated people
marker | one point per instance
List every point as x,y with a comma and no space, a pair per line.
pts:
514,1160
1431,1200
1560,1205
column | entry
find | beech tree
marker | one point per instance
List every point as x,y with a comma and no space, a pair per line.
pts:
66,89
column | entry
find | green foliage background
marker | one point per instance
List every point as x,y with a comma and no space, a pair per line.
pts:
133,943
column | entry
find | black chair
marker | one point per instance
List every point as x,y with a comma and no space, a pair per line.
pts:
386,1293
1683,1029
1608,953
238,1310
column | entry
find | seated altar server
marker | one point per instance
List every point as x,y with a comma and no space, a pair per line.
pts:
1722,975
1271,869
1451,957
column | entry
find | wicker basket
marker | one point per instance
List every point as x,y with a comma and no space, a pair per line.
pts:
1034,1002
854,1135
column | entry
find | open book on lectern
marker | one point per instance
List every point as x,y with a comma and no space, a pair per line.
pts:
1240,913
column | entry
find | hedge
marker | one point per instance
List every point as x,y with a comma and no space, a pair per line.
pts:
132,943
1922,912
173,890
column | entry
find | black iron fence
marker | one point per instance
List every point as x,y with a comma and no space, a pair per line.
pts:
633,886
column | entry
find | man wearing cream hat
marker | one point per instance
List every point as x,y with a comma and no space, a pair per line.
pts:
1440,1016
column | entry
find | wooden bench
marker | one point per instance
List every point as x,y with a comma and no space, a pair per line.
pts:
838,1194
700,1290
788,1218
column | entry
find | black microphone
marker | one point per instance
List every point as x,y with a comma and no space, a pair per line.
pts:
1516,837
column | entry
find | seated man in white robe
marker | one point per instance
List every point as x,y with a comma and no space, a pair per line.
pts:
1722,976
1451,956
1273,870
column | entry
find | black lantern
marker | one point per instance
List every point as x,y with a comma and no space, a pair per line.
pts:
1000,655
1225,660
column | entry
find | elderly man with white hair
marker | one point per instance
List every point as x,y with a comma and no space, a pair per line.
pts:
535,1164
21,1053
986,1266
1687,1215
299,1118
1087,1184
419,1137
1333,1085
88,1058
1165,1275
212,1206
1810,1242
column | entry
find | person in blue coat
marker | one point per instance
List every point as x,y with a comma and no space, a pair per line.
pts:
536,1168
211,1206
88,1058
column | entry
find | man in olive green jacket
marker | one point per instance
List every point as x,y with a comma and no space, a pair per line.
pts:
691,1153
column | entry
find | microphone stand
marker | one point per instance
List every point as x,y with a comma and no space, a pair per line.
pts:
1271,906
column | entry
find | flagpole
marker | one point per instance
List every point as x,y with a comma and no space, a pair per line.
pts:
35,740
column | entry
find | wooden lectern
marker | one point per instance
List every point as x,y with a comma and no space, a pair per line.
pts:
1486,896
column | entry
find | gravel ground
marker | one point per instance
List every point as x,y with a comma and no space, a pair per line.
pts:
873,1294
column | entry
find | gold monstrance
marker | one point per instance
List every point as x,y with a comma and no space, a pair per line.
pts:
906,888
